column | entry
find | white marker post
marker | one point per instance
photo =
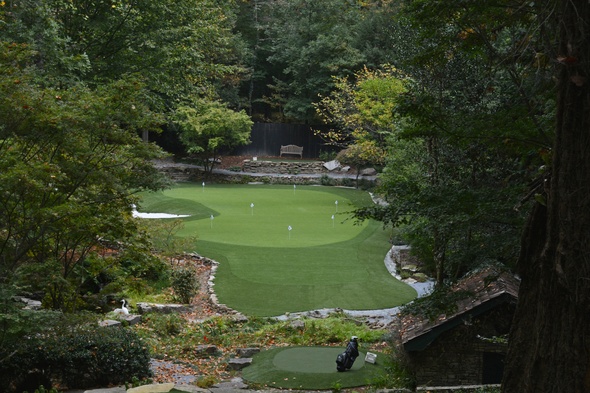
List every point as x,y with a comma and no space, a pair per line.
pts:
289,228
212,220
252,208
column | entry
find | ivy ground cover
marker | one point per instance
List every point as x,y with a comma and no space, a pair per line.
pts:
285,248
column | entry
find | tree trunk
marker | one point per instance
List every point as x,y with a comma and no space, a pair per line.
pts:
550,338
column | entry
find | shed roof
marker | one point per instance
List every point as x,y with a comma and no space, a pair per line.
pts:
488,287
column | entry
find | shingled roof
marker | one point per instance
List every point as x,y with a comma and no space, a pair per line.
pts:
488,288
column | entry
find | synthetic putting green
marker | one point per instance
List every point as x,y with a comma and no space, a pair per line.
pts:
309,368
285,248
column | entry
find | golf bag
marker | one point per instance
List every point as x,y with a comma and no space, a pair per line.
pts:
341,361
345,360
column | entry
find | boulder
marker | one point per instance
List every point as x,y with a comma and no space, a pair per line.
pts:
155,388
131,319
297,324
331,165
161,308
109,323
236,364
206,350
232,385
30,304
247,352
368,172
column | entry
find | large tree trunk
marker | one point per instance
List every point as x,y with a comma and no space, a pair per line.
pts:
550,338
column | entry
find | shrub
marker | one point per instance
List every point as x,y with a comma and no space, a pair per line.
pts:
184,283
81,358
165,325
327,155
206,381
101,357
326,180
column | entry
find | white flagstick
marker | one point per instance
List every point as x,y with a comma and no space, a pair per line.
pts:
203,186
212,220
252,208
289,228
336,206
332,221
294,188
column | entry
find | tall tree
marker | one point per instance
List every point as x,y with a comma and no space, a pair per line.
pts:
180,50
70,160
550,339
208,128
480,103
304,43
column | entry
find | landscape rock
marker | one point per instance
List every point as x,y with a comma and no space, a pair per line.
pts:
109,323
247,352
131,319
298,324
236,364
331,165
369,172
234,383
190,388
206,350
30,304
161,308
154,388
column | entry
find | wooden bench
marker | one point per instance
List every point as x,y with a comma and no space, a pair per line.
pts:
291,149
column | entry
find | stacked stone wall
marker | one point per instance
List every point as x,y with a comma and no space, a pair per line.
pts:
284,167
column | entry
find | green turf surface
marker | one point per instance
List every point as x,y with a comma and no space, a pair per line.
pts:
309,368
265,268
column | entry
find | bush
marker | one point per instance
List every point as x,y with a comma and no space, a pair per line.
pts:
326,180
81,358
184,284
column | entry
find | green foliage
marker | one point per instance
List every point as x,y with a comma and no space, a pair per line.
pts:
336,387
208,127
326,180
43,390
179,50
174,336
98,358
303,43
184,283
206,381
164,235
165,325
327,155
68,166
362,109
71,350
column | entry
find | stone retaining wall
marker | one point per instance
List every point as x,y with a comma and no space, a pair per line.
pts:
274,173
285,168
456,389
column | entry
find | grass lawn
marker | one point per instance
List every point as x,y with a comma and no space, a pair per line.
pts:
323,261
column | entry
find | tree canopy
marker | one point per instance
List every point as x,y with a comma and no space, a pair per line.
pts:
457,100
207,128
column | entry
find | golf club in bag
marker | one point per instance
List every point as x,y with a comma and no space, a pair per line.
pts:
345,360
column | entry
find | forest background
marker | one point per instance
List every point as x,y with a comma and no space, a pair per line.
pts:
456,101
